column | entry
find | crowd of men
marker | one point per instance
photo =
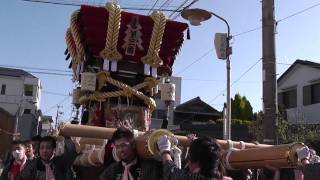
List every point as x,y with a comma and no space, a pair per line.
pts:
37,160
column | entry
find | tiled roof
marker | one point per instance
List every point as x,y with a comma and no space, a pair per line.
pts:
297,62
196,105
14,72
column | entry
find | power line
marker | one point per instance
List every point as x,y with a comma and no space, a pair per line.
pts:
153,7
34,68
63,100
165,4
50,73
299,12
181,5
251,30
248,31
212,80
42,70
280,20
186,7
238,79
79,4
201,57
55,93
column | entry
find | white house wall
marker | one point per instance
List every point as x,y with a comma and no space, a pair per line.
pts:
14,91
35,82
299,77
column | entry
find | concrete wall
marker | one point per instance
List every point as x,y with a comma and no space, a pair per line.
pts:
15,102
299,77
14,92
14,95
28,126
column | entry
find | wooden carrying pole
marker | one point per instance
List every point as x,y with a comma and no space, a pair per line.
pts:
106,133
246,155
275,156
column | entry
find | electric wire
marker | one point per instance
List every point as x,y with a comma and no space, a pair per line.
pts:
62,101
79,4
198,59
235,81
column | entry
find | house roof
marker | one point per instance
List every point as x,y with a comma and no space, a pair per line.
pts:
5,112
14,72
196,105
299,62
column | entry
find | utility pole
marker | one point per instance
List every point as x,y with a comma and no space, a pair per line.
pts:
57,116
269,72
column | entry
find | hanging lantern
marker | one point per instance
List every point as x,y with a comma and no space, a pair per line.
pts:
76,94
88,81
168,91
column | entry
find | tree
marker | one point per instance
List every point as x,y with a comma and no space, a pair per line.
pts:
287,133
255,128
241,108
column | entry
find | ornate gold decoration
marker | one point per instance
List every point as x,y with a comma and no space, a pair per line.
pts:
126,90
71,46
147,143
292,157
76,35
152,58
110,51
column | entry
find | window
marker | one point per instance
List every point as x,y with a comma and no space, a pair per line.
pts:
288,99
3,89
28,90
311,94
27,111
315,93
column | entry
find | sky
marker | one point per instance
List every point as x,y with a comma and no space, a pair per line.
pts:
33,35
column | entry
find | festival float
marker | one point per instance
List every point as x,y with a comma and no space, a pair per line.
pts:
119,61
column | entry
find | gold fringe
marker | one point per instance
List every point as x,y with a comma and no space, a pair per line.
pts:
76,35
110,51
152,58
72,50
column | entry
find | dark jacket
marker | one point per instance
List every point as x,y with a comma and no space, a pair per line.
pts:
172,172
61,165
6,169
143,170
5,172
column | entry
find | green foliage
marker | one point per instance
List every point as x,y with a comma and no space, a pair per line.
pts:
241,108
287,133
255,128
236,121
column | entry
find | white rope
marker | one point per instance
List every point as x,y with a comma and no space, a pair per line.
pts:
101,155
176,152
228,166
89,159
243,145
230,144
